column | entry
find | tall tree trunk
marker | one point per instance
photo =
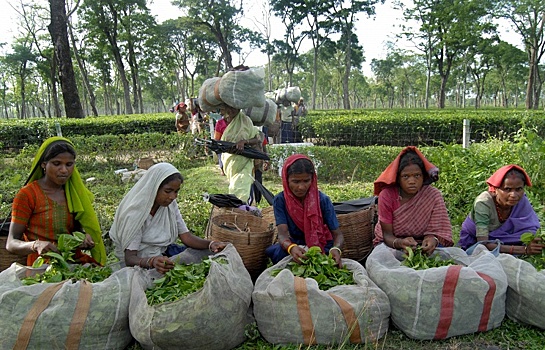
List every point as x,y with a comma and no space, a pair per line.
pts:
83,70
54,92
59,36
532,55
347,68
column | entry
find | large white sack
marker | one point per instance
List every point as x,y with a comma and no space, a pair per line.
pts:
106,323
294,310
291,94
263,116
209,95
526,293
212,318
441,302
243,88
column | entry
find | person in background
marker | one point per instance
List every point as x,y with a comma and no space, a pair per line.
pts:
503,213
197,117
55,201
286,125
221,125
410,211
148,223
239,169
182,117
305,217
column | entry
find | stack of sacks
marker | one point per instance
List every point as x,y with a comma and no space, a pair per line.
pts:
289,94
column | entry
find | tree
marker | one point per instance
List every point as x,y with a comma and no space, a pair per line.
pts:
528,18
59,36
450,27
222,18
342,18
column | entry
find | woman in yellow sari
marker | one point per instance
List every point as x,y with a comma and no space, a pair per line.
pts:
239,169
55,201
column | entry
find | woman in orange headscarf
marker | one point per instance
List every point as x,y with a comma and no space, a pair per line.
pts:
503,213
410,211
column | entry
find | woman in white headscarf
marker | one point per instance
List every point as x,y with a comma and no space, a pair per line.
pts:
148,222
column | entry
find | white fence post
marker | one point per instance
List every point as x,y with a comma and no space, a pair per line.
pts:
466,134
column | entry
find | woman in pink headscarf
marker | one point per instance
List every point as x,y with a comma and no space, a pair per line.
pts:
503,213
304,216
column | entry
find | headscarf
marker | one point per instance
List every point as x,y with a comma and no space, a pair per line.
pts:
389,175
307,215
136,206
496,180
78,198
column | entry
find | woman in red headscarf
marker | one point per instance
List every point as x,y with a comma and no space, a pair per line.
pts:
503,213
410,211
304,215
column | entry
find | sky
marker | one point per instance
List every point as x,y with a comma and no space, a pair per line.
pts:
372,33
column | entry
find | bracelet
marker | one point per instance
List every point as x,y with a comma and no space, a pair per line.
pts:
150,262
291,246
436,239
33,247
526,250
394,243
511,249
210,245
337,248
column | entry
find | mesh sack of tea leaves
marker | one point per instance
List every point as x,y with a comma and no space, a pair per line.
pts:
441,302
292,309
243,88
213,317
64,315
526,293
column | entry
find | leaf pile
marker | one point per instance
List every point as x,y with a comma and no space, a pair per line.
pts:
418,260
180,281
59,269
538,261
321,268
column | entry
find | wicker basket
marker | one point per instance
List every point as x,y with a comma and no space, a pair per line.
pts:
250,235
7,258
358,231
145,162
220,211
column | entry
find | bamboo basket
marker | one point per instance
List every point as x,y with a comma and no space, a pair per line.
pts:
220,211
7,258
358,231
250,235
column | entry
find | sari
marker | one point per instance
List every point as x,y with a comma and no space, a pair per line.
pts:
79,204
237,168
424,214
522,219
134,210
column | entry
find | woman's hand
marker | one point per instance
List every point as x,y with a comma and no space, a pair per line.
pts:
535,247
298,254
216,247
239,146
87,243
429,244
336,255
403,243
162,264
42,247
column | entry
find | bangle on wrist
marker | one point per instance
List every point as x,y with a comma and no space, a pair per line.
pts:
150,262
289,248
436,240
394,243
210,245
526,250
336,248
33,247
511,249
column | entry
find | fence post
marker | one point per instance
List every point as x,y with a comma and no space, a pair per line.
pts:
466,134
58,127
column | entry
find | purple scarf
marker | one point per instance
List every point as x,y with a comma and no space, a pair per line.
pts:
522,219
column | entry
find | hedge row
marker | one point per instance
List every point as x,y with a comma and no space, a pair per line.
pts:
398,127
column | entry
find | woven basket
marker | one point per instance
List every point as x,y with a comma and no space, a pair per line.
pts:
145,163
357,228
251,238
220,211
7,258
